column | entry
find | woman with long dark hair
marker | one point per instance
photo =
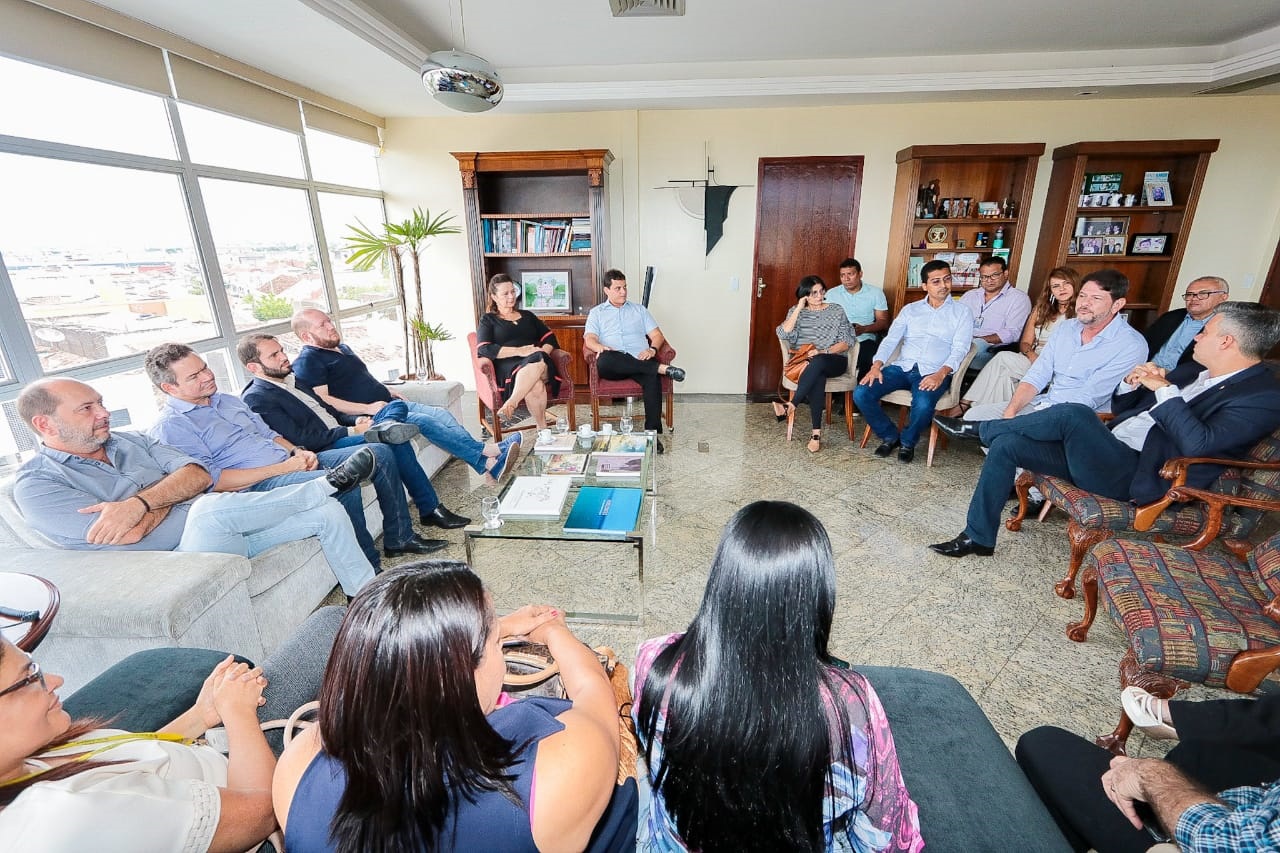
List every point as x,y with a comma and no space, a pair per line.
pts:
813,320
519,344
412,751
755,737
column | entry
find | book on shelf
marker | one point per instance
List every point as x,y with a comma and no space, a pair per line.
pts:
559,464
535,497
915,265
631,444
604,509
618,464
561,442
531,236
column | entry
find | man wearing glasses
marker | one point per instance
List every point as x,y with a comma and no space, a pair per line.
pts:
1171,338
999,309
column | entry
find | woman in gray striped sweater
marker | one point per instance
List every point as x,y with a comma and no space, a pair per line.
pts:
813,321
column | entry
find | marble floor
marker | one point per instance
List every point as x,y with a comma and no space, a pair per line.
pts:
993,623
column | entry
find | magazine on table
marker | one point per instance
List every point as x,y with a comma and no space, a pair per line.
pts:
603,509
559,464
628,444
619,464
535,497
559,443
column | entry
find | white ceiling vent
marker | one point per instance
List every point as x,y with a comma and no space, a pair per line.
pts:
647,8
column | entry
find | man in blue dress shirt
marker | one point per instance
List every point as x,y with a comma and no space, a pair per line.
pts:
935,333
1171,338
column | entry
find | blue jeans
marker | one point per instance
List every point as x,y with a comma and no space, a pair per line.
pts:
351,501
867,399
1066,440
397,524
438,427
415,480
247,524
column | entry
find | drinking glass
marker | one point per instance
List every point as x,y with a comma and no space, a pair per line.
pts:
625,424
562,425
492,516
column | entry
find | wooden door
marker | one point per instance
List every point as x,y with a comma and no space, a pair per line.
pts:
806,224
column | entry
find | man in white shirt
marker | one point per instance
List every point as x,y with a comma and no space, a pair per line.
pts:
935,334
1219,410
628,340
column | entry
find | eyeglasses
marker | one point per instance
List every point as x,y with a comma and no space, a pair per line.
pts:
33,675
1200,294
993,277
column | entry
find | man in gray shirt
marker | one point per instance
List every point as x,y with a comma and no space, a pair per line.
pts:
89,489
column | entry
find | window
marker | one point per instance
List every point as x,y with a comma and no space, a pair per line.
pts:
338,160
339,213
216,139
101,259
38,103
266,249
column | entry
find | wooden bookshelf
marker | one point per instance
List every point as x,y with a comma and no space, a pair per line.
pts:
992,173
538,191
1153,279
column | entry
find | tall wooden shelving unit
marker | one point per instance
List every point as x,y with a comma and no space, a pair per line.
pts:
1153,279
540,187
978,172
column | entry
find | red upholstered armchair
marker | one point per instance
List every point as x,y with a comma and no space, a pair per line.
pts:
608,388
489,395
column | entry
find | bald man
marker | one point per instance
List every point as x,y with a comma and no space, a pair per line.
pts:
90,489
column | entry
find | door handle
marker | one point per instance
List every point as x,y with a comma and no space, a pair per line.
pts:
760,285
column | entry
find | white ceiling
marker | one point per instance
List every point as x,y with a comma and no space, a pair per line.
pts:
558,55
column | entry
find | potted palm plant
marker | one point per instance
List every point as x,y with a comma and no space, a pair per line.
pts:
388,247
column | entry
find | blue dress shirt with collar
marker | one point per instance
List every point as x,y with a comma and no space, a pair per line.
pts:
224,434
1086,373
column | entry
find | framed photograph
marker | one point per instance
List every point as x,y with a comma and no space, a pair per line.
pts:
1091,245
545,292
1149,244
1073,248
1113,245
1101,227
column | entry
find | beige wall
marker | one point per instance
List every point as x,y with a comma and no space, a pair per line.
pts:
1236,229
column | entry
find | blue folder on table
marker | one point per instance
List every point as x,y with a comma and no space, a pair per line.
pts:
600,509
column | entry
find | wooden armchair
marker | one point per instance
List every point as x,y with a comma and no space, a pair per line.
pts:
842,384
609,388
1093,518
489,394
1190,617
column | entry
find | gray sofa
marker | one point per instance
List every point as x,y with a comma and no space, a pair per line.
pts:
115,603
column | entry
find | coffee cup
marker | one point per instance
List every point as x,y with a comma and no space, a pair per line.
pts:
585,431
544,436
606,428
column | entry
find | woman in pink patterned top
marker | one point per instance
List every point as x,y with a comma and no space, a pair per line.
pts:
755,737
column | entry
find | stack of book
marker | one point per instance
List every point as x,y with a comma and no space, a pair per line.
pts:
601,509
535,497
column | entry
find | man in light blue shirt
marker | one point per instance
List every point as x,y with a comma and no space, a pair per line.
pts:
865,306
935,334
1085,357
628,340
1171,338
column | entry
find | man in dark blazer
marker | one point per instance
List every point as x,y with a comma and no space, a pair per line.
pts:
1171,338
295,414
1221,409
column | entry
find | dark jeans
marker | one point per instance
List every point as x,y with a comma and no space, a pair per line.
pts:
866,355
867,399
1066,440
613,364
812,386
415,480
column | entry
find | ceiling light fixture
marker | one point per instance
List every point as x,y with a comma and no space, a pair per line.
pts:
459,80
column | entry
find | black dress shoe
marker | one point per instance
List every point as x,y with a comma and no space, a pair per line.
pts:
442,517
1033,508
657,445
390,432
906,454
676,373
886,448
353,470
962,546
958,428
416,545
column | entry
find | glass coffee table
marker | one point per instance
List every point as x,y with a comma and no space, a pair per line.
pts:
552,529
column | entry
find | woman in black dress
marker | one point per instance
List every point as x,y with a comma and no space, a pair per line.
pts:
519,344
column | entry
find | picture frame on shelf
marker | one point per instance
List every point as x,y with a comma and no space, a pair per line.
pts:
546,291
1091,245
1073,248
1149,244
914,266
1096,226
1113,244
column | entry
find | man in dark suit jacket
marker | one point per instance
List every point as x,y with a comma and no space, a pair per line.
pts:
1171,338
1193,411
293,412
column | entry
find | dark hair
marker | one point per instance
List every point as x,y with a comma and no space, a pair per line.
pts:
851,263
247,349
611,275
1112,281
806,284
994,260
490,304
747,742
399,711
933,266
1045,308
160,360
1255,327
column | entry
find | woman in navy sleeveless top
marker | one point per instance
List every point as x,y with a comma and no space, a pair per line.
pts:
412,751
